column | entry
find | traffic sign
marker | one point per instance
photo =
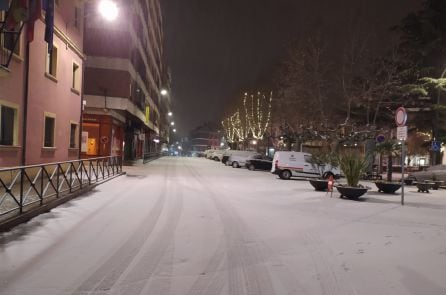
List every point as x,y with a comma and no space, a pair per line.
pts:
380,138
401,133
436,146
400,116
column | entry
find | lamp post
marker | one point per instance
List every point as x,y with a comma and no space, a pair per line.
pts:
109,11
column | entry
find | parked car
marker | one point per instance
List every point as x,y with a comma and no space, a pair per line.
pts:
298,164
259,163
216,155
438,172
238,158
207,153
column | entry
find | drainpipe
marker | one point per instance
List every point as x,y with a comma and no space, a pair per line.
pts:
25,104
82,110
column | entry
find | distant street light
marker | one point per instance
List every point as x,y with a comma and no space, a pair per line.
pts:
254,142
108,9
169,114
163,92
174,130
172,123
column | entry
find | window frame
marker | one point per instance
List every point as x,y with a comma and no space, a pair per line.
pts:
76,77
15,107
76,136
53,116
77,17
49,65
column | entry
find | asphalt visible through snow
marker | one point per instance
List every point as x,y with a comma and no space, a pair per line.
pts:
189,226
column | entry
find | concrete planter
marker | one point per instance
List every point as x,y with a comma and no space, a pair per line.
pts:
387,187
320,185
351,192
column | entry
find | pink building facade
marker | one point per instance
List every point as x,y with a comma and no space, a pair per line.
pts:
50,129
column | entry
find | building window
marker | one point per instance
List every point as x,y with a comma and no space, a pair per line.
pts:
77,17
8,125
75,84
8,39
50,126
73,135
51,62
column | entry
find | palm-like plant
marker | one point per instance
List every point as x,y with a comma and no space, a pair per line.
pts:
353,166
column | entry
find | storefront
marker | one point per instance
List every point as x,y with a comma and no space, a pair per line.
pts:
101,136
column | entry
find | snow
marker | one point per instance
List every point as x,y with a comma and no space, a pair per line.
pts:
193,226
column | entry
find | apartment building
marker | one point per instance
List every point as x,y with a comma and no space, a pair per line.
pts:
40,92
124,111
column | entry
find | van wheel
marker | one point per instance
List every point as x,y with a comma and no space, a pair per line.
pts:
251,167
327,175
235,165
285,174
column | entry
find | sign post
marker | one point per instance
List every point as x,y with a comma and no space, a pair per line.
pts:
400,120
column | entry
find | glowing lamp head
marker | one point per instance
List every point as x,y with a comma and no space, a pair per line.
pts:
108,10
163,92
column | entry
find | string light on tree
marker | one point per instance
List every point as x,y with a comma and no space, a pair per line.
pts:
258,113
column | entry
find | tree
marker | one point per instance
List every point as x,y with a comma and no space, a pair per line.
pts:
258,113
390,149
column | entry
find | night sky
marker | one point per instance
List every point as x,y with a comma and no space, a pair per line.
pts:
218,48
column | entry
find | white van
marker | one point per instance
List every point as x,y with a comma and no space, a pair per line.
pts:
298,164
238,159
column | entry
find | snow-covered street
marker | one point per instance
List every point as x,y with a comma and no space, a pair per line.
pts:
193,226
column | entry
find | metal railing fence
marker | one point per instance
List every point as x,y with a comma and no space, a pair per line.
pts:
25,187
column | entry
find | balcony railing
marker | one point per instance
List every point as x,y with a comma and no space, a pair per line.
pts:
8,40
27,187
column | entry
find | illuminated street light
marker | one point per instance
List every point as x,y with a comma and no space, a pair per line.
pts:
172,123
169,114
174,130
163,92
108,9
254,142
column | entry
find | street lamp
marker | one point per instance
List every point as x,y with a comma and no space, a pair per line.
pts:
174,130
163,92
172,123
169,114
108,9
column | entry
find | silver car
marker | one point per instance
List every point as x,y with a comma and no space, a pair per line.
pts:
437,172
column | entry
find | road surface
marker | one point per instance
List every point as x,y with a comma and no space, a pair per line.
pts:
189,226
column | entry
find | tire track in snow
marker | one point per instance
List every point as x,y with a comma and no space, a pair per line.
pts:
330,280
103,279
139,277
247,271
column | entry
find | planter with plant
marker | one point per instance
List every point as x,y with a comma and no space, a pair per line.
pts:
319,162
389,149
436,182
353,167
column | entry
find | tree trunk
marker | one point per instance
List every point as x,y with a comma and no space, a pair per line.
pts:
389,167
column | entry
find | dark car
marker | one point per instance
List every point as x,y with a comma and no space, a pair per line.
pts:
259,163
